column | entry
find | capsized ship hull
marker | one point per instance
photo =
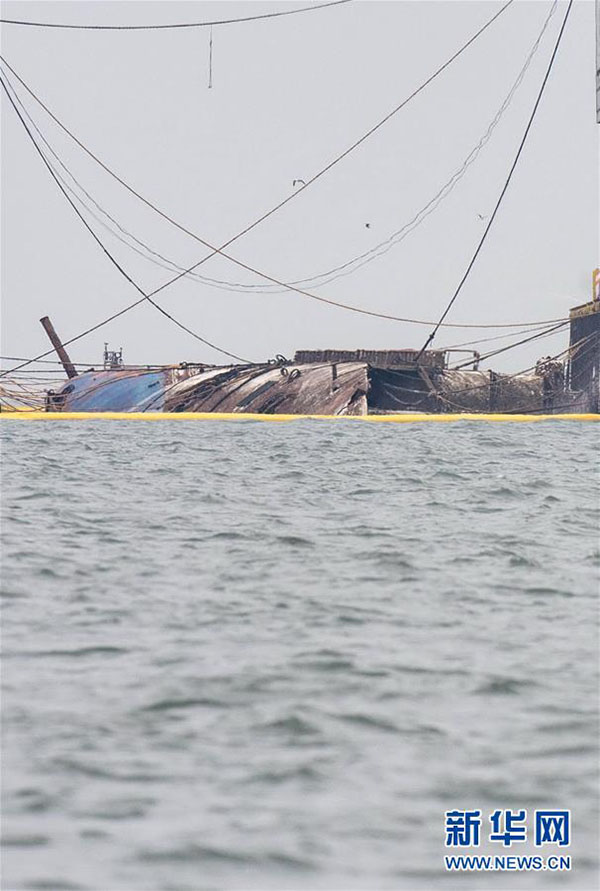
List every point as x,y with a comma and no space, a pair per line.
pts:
322,386
266,389
339,382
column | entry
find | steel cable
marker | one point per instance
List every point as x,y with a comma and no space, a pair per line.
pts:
504,188
175,25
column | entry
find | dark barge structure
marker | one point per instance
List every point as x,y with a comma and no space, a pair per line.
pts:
343,382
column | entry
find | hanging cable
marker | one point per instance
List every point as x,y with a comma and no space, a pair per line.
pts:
269,278
504,188
145,297
511,346
349,266
456,346
236,21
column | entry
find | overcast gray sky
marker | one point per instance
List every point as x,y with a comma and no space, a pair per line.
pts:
288,95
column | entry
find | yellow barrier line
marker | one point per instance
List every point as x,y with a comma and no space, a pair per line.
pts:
240,416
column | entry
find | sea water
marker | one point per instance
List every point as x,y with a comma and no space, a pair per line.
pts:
272,656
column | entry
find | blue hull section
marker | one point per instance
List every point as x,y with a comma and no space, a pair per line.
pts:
114,391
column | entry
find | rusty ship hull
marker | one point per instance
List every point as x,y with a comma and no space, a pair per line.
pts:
342,382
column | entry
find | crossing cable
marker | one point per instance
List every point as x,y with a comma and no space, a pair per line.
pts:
239,263
546,333
235,21
323,278
114,261
352,265
336,160
531,332
456,346
294,194
504,189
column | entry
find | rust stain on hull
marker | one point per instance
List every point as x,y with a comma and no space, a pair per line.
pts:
283,389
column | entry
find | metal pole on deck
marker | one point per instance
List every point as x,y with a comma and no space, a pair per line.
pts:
57,344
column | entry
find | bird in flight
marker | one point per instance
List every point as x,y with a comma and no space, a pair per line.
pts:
481,217
298,181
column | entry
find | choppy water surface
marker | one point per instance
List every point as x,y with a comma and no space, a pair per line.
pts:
270,656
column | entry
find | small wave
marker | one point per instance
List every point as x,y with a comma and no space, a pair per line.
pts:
24,841
485,509
296,541
386,558
33,801
231,536
37,495
94,770
540,483
276,777
345,619
520,560
334,664
421,669
291,475
208,853
504,686
449,474
119,809
47,572
293,725
164,705
561,752
368,532
361,720
53,884
566,726
73,654
548,592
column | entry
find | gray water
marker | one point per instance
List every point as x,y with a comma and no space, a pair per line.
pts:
270,656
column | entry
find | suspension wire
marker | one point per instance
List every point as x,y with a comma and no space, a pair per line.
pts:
511,346
544,329
145,297
239,263
58,179
235,21
346,268
42,361
357,262
457,346
294,194
91,365
505,187
251,269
